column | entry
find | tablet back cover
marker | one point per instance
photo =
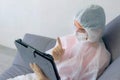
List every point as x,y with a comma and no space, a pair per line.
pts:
47,65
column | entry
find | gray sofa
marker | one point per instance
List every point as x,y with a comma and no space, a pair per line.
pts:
111,39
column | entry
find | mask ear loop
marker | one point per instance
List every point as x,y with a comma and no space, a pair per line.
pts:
87,37
86,33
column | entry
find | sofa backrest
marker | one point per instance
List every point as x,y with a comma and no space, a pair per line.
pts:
111,37
41,43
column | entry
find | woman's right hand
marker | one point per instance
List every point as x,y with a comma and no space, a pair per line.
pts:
58,51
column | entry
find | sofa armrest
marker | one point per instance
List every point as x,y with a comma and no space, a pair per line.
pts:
19,67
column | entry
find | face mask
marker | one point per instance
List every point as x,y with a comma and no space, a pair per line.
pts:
81,36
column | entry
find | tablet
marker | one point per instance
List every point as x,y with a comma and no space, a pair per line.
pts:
44,60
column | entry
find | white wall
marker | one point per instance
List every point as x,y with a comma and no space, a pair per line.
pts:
50,18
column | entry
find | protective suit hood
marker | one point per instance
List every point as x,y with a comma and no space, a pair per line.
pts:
92,19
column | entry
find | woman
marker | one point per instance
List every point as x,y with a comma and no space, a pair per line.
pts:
82,55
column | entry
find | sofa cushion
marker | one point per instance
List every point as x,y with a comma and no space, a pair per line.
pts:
112,72
13,71
112,37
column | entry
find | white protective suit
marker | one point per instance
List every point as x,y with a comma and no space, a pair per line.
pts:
83,60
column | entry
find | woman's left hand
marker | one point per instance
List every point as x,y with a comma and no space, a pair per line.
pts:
40,75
